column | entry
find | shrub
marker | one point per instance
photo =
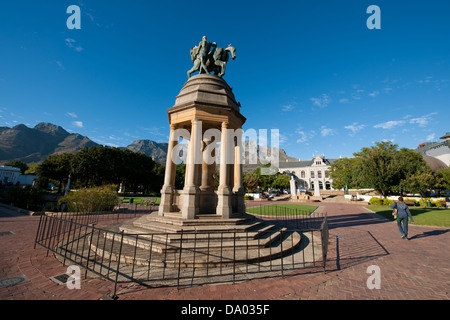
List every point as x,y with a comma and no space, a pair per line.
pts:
247,197
26,197
416,202
375,201
387,202
91,200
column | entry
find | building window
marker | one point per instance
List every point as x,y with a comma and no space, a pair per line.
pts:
327,175
319,174
312,174
303,174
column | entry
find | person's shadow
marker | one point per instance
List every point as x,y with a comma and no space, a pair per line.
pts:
430,233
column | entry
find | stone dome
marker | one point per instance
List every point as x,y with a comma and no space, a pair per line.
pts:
434,163
207,90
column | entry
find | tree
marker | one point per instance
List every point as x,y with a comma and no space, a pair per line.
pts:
250,181
281,181
378,167
18,164
101,165
345,172
445,174
384,167
423,181
56,167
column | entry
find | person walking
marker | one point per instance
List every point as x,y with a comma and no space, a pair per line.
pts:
402,217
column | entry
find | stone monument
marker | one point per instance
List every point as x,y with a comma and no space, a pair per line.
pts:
207,112
206,221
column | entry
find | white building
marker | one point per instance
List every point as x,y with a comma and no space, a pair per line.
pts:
9,175
308,172
437,154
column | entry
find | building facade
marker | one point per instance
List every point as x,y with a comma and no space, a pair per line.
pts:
9,175
309,172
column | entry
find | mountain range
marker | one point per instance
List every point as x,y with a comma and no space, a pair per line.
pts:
35,144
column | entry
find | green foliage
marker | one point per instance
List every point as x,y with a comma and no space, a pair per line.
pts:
416,202
375,201
445,174
387,202
434,203
180,175
97,199
102,165
18,164
387,169
281,181
26,197
252,181
345,172
247,197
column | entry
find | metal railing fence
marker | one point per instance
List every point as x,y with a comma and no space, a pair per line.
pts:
185,258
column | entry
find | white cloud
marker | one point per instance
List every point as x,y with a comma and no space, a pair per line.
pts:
390,124
304,136
374,93
324,131
343,100
355,127
422,121
71,43
60,65
431,137
72,114
288,107
78,124
323,101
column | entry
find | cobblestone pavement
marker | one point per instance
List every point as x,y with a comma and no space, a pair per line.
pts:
415,269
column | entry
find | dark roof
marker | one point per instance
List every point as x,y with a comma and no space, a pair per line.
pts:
304,163
446,136
434,163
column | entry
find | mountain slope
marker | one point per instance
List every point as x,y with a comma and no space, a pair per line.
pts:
35,144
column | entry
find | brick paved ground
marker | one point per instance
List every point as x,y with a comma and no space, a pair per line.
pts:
415,269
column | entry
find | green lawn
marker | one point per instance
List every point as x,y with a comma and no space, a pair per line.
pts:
421,216
282,209
140,200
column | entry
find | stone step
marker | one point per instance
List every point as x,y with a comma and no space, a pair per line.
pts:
159,244
190,255
203,219
155,225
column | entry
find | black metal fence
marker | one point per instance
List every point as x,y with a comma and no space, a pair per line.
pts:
185,258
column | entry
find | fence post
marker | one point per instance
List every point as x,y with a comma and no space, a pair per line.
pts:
118,267
325,236
38,230
89,252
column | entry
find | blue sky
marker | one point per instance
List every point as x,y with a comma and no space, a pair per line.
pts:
311,69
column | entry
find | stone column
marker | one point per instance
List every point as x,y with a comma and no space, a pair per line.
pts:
224,192
169,177
189,206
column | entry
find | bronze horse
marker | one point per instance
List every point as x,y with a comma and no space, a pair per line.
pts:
216,62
